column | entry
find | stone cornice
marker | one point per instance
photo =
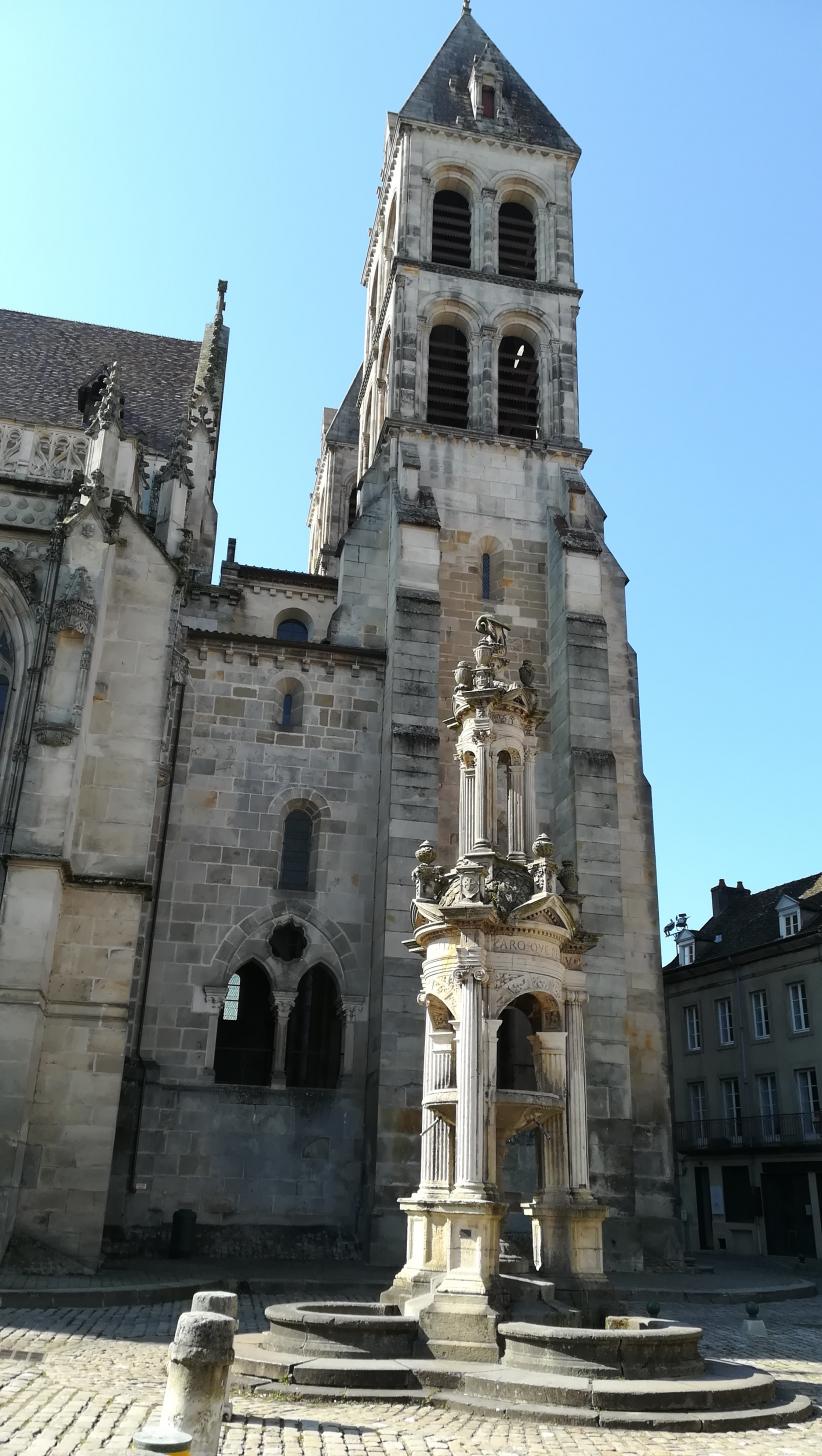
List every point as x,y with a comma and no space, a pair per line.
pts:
506,143
527,285
567,450
256,644
122,883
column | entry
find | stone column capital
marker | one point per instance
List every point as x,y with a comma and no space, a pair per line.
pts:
576,998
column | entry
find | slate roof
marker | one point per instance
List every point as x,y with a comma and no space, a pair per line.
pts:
435,99
751,921
345,426
44,361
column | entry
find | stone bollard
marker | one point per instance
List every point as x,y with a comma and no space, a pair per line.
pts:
753,1325
163,1439
199,1361
219,1301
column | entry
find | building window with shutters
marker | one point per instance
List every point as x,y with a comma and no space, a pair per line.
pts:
693,1029
760,1015
725,1021
807,1096
295,859
768,1106
798,1004
731,1109
698,1110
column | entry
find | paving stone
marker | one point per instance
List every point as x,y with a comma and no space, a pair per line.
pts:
100,1376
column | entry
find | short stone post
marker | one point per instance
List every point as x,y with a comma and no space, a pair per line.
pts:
199,1362
219,1301
162,1439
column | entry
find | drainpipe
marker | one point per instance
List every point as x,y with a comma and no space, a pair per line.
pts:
151,930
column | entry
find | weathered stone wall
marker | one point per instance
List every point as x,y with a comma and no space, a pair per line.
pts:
240,1155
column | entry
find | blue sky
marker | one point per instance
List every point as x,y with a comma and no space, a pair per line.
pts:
154,147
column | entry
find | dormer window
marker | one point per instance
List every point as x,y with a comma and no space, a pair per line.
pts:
686,951
485,88
489,102
790,917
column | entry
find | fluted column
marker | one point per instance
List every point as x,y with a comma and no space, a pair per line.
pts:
482,828
530,798
467,772
283,1005
549,1048
435,1171
470,1121
516,812
491,1027
577,1091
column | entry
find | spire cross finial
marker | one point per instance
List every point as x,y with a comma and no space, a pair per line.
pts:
466,7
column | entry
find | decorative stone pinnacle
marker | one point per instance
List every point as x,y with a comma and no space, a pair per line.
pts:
466,7
222,289
426,854
542,848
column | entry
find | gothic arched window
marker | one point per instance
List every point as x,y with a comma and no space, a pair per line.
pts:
451,230
291,629
353,503
288,710
517,241
448,377
6,676
518,389
295,861
245,1032
314,1039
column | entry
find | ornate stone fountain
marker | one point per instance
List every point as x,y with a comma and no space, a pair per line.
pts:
499,929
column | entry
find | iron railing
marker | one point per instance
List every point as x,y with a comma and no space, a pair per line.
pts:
776,1130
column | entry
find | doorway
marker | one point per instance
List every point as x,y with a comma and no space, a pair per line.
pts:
704,1212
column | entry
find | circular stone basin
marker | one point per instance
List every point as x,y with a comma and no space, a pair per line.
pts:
629,1348
337,1329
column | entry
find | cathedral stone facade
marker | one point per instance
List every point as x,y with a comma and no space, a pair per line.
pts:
212,794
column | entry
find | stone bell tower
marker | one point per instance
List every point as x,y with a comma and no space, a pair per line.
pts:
468,497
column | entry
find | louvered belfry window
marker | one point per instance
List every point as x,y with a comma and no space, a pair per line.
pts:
518,390
448,377
517,241
295,865
451,236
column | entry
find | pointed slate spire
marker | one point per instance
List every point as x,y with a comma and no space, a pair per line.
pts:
443,96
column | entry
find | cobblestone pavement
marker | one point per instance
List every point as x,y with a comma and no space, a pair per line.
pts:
80,1382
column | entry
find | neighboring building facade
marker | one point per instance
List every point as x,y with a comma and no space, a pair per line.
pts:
744,1000
258,1002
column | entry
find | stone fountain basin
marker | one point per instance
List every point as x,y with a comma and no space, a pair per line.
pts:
340,1329
630,1347
514,1110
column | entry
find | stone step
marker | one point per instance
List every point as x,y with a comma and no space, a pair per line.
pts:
465,1352
787,1412
353,1374
724,1387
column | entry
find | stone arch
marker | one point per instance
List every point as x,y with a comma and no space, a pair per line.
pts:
294,614
454,177
326,944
